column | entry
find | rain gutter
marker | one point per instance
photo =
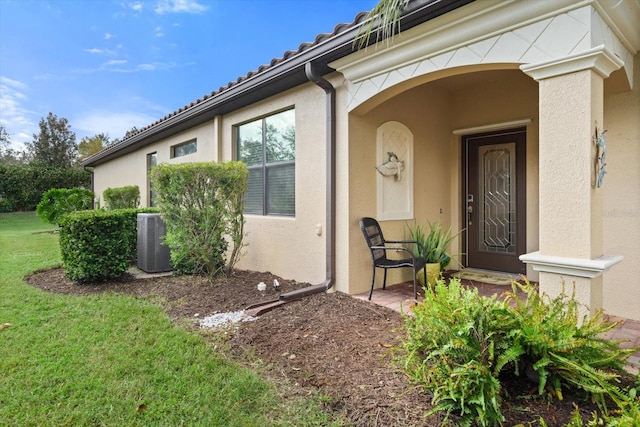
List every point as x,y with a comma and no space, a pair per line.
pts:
330,200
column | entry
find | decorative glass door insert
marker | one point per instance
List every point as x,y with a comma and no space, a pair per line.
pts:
497,202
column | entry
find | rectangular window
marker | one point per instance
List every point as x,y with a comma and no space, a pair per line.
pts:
152,160
268,147
184,149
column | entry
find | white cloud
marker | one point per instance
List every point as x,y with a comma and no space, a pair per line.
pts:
159,32
48,76
96,51
179,6
115,123
121,66
115,62
17,119
136,6
146,67
108,36
15,84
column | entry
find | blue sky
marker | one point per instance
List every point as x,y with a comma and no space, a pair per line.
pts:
110,65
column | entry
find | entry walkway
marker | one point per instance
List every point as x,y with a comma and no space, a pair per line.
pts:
400,298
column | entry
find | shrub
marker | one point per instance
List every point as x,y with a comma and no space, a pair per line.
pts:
6,205
202,205
122,197
22,186
564,350
433,245
627,416
98,245
457,344
455,347
58,202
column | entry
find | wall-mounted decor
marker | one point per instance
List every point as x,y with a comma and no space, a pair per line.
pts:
601,151
394,165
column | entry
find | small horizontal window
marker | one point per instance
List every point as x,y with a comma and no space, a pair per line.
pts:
184,149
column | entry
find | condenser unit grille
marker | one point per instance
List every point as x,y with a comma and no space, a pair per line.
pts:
153,255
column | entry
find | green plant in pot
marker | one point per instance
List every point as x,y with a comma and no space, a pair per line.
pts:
433,247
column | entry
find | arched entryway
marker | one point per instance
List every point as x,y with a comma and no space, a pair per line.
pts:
441,114
480,70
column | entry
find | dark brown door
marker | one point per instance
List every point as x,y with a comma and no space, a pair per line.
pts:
494,180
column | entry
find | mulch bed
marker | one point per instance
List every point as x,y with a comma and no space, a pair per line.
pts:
332,344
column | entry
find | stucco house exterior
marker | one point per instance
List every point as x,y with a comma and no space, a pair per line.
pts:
493,109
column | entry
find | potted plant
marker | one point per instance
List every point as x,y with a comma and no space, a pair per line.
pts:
433,247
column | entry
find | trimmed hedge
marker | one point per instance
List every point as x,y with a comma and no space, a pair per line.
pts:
122,197
22,186
202,205
58,202
98,245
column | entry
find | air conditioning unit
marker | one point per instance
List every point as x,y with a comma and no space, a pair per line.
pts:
153,255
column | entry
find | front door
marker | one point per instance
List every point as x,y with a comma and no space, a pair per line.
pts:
494,180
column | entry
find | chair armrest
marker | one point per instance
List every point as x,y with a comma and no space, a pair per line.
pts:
395,248
409,241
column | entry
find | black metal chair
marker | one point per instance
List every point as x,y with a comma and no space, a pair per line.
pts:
379,247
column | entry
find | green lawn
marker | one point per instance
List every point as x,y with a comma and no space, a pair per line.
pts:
113,360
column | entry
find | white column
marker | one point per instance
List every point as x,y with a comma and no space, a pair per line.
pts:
570,257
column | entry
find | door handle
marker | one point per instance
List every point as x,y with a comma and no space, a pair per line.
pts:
469,212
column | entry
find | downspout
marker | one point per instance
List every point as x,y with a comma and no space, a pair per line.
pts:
330,207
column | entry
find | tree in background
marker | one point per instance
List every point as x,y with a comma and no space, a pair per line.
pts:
134,130
5,139
91,145
8,154
55,145
131,132
58,202
49,161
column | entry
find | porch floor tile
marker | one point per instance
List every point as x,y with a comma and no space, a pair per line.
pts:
400,298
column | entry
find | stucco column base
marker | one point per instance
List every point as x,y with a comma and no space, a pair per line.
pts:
581,278
586,291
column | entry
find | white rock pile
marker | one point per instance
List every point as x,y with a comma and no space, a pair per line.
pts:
223,319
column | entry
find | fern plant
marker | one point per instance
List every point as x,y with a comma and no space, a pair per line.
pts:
457,344
455,347
565,350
